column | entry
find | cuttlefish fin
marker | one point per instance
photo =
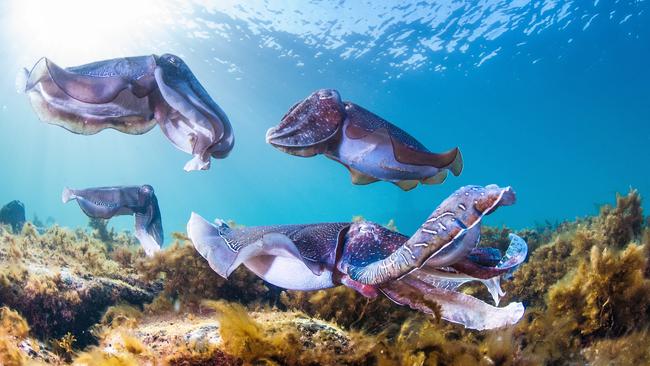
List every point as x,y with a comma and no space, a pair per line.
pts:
439,178
361,178
275,245
224,255
452,159
209,241
452,306
67,195
407,185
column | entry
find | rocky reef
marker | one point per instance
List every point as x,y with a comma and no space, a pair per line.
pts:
90,297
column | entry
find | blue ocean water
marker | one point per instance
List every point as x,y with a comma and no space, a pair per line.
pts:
550,97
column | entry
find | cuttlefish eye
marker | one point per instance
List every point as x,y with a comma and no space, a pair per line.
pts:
172,60
328,94
146,189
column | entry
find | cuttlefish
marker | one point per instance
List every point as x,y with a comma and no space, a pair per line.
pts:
418,271
106,202
370,147
131,95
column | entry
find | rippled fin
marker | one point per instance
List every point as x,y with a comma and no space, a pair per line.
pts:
209,241
439,178
224,255
407,185
360,178
456,166
67,195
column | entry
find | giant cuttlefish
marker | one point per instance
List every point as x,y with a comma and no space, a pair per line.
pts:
371,148
106,202
130,95
420,271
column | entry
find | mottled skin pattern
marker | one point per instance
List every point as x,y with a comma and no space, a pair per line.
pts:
416,271
106,202
131,95
315,242
448,223
370,147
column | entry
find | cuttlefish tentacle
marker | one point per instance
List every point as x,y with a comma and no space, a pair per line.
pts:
439,235
131,95
106,202
515,255
370,147
454,306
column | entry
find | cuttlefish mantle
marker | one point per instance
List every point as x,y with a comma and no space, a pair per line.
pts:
428,267
370,147
140,201
131,95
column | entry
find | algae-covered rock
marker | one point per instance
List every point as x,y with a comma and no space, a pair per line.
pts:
62,282
13,214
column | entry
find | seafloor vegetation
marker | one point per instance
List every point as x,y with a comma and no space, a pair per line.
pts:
90,297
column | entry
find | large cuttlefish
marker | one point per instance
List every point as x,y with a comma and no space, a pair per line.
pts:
130,95
420,271
370,147
106,202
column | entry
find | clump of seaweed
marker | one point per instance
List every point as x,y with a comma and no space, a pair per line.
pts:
188,279
631,349
100,230
622,223
348,308
607,296
117,348
65,345
13,329
290,339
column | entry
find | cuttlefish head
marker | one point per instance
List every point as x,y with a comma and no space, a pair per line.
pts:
172,65
310,125
145,195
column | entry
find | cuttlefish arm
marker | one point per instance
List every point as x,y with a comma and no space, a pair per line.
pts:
297,257
106,202
429,288
194,123
454,306
440,239
130,95
475,265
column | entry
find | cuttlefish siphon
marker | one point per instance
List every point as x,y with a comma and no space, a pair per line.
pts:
106,202
370,147
130,95
418,271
